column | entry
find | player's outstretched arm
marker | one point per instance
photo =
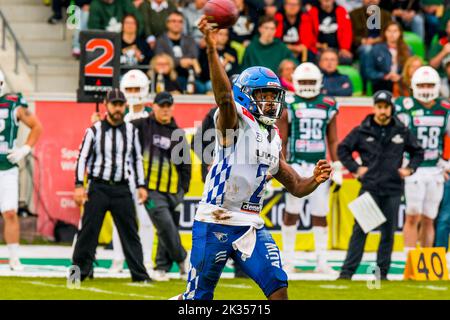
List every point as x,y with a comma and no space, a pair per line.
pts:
220,84
299,186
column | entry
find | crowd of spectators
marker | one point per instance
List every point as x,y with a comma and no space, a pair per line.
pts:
279,34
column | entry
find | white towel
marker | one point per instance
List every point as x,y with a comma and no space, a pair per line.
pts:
366,212
246,243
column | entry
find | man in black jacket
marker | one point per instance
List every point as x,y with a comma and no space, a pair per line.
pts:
167,167
381,141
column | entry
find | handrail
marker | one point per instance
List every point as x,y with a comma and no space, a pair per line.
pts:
18,50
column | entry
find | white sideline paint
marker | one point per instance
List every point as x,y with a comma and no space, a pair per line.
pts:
65,252
333,287
430,287
92,289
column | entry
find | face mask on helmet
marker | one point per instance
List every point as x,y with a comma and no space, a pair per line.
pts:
307,80
135,98
267,104
425,84
426,92
135,86
307,88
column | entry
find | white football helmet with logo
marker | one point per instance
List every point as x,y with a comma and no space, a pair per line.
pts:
135,79
425,75
2,82
307,71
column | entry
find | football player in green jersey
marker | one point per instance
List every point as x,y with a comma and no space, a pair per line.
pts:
309,123
427,116
13,109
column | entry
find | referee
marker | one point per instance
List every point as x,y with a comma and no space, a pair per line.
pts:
108,147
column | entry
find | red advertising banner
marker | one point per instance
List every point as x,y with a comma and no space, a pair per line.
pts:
57,151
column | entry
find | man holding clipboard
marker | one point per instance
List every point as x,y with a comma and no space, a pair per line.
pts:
381,141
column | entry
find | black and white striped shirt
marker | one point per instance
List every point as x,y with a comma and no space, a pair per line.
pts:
107,152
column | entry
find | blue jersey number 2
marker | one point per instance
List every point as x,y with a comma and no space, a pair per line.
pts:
262,172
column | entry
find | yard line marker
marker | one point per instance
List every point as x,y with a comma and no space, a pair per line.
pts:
237,286
333,287
93,289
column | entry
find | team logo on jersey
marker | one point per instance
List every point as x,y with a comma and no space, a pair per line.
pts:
289,98
251,207
161,142
222,237
266,157
397,139
408,103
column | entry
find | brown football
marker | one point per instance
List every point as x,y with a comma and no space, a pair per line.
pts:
221,14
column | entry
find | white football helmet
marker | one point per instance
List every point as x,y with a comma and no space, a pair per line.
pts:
2,82
307,71
425,75
135,79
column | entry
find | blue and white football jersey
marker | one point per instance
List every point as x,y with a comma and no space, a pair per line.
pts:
236,180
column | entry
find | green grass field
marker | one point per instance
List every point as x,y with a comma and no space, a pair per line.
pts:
227,289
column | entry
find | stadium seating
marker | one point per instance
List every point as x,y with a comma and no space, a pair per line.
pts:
355,78
415,43
240,49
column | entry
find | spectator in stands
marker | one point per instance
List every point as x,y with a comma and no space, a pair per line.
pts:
308,4
245,27
270,7
285,72
328,26
444,19
350,5
288,28
163,75
445,82
334,83
387,58
403,89
134,50
57,6
363,37
155,13
407,13
82,24
266,50
182,48
431,9
137,3
228,57
108,14
440,50
192,14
